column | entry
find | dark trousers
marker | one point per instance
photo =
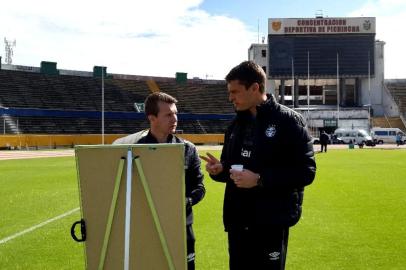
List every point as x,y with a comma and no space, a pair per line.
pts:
324,145
258,249
190,245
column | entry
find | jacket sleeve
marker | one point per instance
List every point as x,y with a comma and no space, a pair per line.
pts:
298,167
195,189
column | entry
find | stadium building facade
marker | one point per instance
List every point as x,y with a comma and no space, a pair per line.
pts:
329,69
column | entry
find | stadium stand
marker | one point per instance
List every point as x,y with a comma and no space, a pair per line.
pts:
36,103
199,98
397,88
388,122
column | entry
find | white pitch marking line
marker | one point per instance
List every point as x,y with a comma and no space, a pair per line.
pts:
11,237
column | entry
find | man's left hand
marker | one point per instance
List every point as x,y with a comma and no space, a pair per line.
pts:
244,178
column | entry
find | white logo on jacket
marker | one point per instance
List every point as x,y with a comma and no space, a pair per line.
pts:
273,256
270,131
245,153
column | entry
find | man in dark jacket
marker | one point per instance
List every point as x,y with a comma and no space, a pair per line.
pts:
324,138
263,200
161,112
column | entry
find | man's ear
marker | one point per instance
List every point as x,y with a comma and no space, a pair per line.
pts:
151,118
255,87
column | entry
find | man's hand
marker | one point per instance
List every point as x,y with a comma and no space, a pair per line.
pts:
213,165
244,178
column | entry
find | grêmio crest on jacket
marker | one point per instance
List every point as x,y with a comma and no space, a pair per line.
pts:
270,131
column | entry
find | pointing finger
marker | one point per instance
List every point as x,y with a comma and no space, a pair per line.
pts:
213,158
206,159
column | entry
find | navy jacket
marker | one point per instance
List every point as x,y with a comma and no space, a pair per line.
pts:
194,187
282,154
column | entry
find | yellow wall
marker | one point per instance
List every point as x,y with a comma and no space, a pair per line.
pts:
203,138
51,141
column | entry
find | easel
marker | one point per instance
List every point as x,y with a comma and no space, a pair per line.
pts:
135,174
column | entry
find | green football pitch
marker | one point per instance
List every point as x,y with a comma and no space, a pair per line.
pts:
353,215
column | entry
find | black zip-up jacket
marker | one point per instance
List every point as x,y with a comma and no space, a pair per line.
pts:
194,188
324,138
282,153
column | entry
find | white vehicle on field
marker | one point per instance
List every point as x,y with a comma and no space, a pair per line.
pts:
387,135
355,136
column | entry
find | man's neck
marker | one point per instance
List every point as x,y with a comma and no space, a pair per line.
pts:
261,99
159,136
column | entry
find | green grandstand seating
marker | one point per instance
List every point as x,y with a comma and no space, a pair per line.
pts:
20,89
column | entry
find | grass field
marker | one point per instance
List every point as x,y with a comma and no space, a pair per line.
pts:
354,215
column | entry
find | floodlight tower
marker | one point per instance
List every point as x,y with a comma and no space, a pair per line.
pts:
9,47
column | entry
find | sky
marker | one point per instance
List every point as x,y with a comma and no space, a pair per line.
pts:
204,38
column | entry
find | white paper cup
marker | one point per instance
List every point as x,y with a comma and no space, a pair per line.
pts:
237,167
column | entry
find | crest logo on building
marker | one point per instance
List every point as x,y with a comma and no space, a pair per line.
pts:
276,26
367,25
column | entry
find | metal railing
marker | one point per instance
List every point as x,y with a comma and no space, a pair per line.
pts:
9,125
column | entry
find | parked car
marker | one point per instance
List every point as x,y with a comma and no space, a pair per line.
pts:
333,140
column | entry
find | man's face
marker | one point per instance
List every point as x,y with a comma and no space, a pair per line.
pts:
166,120
242,98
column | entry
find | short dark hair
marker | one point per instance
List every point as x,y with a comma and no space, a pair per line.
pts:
151,102
248,73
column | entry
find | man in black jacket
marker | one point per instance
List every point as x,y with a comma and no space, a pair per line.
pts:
264,199
161,111
324,138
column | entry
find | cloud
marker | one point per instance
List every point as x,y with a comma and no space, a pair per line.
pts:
155,37
389,27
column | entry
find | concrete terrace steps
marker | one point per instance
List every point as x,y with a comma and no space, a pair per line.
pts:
388,122
398,90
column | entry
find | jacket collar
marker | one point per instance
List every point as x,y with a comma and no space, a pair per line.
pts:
151,139
266,106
